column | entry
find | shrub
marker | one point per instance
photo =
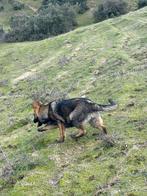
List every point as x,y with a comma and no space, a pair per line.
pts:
49,21
16,5
56,19
1,7
109,9
142,3
82,4
2,34
19,28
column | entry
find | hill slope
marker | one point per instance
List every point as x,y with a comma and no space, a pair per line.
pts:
99,61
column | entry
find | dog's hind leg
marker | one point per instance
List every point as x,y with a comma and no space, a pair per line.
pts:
62,132
97,122
81,132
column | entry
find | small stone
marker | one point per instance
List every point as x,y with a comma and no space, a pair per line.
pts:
91,178
131,104
3,83
1,94
138,89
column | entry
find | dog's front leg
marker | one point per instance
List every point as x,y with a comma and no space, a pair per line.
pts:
47,127
62,132
44,128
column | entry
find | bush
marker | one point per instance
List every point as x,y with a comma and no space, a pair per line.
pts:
1,7
16,5
109,9
2,34
19,28
49,21
82,4
142,3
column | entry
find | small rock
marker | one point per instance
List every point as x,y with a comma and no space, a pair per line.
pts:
12,146
21,177
132,96
64,61
77,49
35,154
2,110
1,94
3,83
53,182
140,128
138,89
64,165
96,72
91,178
131,104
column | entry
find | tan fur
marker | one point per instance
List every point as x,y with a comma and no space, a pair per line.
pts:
36,107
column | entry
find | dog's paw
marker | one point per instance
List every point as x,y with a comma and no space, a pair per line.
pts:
59,141
73,136
95,134
40,129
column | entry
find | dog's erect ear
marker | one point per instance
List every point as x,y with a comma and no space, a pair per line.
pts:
36,107
36,104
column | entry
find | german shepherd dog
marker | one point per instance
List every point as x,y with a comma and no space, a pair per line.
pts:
67,113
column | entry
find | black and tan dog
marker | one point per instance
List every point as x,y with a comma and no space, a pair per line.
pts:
74,112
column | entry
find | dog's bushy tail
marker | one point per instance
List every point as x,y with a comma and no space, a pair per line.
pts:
107,107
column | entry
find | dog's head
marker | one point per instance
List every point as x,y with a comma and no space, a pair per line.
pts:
36,107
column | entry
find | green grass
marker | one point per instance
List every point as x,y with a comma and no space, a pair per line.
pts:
105,60
85,19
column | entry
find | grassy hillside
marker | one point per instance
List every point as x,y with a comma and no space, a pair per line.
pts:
99,61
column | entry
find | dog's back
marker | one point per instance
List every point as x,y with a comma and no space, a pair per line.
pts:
67,106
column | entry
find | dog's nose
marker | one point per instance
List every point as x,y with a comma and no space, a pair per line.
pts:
35,120
39,130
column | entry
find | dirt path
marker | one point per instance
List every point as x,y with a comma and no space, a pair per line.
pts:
24,76
31,8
